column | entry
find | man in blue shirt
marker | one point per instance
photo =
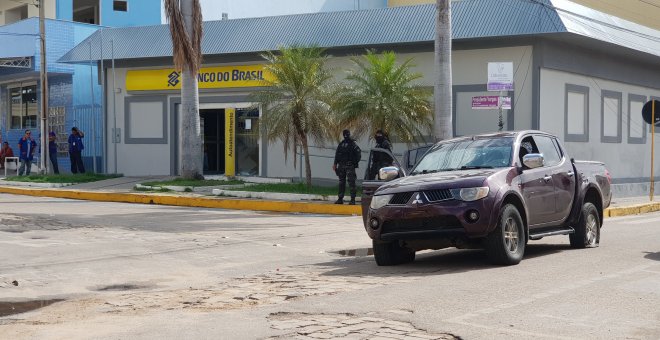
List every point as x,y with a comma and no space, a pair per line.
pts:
52,151
26,146
75,150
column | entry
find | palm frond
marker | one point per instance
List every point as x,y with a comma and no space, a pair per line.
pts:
186,46
382,94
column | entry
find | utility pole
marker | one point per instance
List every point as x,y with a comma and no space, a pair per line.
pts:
442,122
43,73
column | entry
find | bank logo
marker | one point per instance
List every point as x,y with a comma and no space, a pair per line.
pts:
173,79
418,200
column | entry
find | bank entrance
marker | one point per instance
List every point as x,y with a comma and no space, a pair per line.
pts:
218,124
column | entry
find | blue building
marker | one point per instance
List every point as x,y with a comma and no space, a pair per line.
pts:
74,91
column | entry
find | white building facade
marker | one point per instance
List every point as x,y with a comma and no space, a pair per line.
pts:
585,87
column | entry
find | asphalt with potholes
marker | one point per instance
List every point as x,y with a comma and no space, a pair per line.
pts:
120,190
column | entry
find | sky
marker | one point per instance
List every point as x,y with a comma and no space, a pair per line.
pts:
213,9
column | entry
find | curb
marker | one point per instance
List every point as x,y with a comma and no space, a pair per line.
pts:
250,204
36,185
199,202
275,195
632,209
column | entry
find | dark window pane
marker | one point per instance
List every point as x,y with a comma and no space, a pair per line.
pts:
120,6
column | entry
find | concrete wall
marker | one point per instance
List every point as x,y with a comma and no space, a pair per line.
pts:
469,71
626,153
7,16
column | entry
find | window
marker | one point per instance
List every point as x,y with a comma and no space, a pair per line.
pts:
23,107
636,124
576,113
549,150
86,11
610,128
120,6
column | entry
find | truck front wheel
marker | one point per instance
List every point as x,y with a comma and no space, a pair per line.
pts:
506,244
392,253
587,231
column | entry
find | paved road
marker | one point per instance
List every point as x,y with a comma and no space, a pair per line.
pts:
152,272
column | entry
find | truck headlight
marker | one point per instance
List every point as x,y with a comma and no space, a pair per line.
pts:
380,201
470,194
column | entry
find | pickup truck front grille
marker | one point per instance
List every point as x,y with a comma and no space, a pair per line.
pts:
401,198
421,224
438,195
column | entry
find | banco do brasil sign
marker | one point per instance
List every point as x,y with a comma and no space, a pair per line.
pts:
208,78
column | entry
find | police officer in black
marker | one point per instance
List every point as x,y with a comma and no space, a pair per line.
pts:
379,159
347,159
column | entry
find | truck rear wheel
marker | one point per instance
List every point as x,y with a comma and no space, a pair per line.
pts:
392,253
587,231
506,244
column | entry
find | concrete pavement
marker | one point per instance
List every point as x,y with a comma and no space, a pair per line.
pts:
121,190
147,271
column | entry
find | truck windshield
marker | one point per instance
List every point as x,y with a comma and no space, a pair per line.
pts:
467,154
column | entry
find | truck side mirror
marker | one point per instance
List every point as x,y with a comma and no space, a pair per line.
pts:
533,160
388,173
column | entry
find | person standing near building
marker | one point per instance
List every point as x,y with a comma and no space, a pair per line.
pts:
52,151
380,159
347,158
5,152
26,148
76,147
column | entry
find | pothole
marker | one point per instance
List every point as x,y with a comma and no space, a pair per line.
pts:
12,308
338,326
122,287
276,287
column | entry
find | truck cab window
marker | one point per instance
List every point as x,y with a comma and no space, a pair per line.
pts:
547,147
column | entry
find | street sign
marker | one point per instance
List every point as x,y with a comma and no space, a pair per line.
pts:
500,76
491,103
647,112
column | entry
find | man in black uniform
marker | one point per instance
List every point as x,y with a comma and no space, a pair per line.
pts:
347,159
380,159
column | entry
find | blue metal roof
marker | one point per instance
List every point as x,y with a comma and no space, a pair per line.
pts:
388,26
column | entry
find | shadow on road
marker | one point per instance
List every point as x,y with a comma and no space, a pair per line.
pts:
652,256
445,261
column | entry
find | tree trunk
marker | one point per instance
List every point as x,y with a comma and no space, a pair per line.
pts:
308,168
442,124
191,161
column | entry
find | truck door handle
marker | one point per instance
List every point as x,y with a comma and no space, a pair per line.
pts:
547,178
570,174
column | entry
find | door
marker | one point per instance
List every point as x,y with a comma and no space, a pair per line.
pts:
213,137
370,185
247,142
537,188
564,180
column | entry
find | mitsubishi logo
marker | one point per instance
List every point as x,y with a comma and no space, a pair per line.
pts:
418,200
173,79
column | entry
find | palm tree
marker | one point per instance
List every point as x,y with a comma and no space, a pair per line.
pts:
185,20
296,105
442,126
381,94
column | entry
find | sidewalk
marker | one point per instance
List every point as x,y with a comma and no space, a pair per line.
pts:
121,190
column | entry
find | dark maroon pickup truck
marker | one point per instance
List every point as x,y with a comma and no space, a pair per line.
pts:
495,191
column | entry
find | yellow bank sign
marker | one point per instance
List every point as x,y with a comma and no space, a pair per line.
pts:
208,78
